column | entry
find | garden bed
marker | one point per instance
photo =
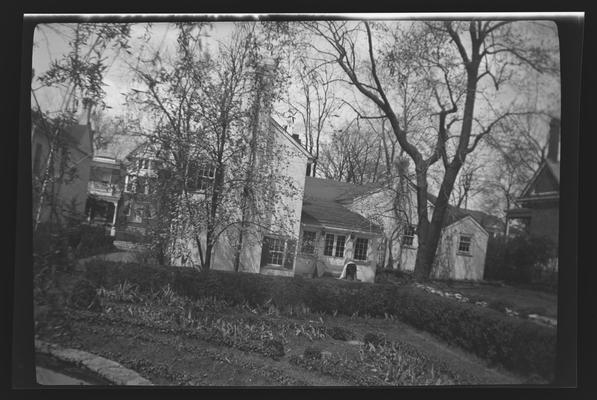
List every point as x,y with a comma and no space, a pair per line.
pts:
175,339
517,344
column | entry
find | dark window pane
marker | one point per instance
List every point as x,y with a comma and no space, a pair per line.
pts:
329,245
340,242
360,249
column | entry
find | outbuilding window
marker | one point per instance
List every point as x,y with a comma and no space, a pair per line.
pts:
340,242
360,249
464,244
408,237
329,247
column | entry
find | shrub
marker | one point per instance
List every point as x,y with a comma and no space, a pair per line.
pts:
374,339
518,259
273,348
339,333
312,353
84,296
517,344
89,240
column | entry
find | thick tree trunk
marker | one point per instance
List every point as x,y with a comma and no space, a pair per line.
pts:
430,233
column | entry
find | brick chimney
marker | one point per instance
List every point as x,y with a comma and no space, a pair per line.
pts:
553,148
296,137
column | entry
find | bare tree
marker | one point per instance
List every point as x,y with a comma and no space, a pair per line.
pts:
209,112
78,78
316,103
459,64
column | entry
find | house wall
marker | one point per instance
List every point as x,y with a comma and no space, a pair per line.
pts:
289,162
66,193
307,263
452,264
378,207
545,220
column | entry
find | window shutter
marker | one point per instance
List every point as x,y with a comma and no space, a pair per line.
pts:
264,251
290,249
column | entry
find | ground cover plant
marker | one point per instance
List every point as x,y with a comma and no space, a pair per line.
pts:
263,330
516,344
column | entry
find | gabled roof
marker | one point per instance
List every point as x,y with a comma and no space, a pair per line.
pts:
329,190
553,167
486,221
331,214
322,205
454,214
297,145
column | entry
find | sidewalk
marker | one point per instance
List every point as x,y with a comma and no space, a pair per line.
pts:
49,377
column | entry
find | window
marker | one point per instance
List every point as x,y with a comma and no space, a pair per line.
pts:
328,249
129,184
408,237
308,244
138,215
340,242
464,244
37,159
278,251
143,163
360,249
201,176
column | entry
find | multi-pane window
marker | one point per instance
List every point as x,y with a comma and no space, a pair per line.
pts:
278,251
340,242
143,163
328,249
408,237
360,249
308,244
464,244
201,176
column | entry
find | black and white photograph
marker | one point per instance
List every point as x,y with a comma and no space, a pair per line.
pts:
342,200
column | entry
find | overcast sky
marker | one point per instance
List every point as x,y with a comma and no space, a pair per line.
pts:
50,44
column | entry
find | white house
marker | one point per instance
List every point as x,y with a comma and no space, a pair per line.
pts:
463,244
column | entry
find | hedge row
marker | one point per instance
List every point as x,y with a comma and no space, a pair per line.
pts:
517,344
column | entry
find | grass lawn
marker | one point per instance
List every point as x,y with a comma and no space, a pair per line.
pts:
519,299
172,340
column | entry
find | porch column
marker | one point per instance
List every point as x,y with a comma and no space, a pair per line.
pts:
113,228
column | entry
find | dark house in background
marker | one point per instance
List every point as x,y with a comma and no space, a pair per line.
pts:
537,214
538,208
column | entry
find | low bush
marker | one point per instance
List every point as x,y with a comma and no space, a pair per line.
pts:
340,333
517,344
519,259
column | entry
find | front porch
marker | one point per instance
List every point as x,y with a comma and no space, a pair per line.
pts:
102,211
